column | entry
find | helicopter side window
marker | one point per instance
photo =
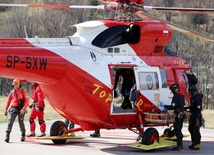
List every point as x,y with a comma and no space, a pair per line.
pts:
163,78
118,35
148,80
111,37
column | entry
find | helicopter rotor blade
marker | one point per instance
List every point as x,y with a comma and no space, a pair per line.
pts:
175,27
57,6
177,9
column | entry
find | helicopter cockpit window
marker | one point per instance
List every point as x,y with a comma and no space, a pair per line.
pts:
186,82
148,80
118,35
163,78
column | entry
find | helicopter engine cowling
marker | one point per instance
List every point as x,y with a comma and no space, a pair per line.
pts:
155,36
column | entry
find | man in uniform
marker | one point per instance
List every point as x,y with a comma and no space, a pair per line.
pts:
18,99
195,118
37,110
177,104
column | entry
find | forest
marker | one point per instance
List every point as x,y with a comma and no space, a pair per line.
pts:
54,23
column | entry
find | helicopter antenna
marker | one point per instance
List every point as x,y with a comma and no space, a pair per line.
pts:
25,31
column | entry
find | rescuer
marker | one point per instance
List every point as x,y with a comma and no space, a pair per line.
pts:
196,120
37,110
177,104
18,99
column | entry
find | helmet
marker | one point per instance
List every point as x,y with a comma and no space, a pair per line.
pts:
174,87
193,88
15,81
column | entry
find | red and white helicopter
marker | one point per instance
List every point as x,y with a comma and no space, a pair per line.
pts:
77,73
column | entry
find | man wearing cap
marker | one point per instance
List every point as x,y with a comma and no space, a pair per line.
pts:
18,103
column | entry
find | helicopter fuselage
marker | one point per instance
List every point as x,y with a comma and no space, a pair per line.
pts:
77,73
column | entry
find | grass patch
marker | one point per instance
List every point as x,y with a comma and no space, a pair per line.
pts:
50,113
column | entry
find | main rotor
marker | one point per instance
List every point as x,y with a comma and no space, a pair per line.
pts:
129,7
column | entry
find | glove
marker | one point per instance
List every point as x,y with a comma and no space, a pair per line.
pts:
165,110
22,112
5,113
161,104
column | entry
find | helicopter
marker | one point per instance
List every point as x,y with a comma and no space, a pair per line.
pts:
78,73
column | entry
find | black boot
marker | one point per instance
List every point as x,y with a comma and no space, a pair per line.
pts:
23,137
96,133
7,139
195,147
178,148
124,105
193,143
129,105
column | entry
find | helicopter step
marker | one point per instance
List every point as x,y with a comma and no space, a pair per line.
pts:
156,145
63,137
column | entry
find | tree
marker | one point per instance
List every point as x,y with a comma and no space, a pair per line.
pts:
2,9
168,3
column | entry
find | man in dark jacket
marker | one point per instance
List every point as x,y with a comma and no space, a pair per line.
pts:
177,104
195,118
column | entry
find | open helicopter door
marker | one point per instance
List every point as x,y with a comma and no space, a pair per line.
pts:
123,81
151,88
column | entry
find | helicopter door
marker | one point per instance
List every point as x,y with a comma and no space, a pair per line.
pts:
150,89
123,82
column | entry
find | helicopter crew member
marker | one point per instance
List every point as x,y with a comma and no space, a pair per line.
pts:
37,110
177,104
18,99
195,121
128,82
